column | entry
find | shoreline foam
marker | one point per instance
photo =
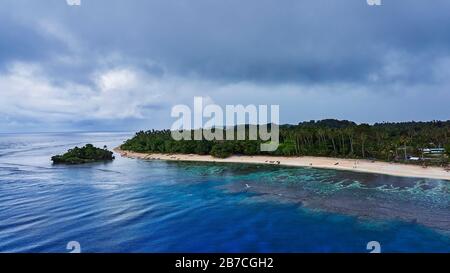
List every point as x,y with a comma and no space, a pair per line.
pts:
355,165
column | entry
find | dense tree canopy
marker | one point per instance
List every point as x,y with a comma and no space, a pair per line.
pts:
86,154
382,141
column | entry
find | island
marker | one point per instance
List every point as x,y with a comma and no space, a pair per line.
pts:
410,149
86,154
422,143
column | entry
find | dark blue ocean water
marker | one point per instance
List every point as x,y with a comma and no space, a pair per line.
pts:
153,206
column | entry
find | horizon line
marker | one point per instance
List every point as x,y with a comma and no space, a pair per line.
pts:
284,124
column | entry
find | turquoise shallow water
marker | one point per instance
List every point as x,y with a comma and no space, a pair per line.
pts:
153,206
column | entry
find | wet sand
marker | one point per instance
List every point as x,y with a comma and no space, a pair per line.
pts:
356,165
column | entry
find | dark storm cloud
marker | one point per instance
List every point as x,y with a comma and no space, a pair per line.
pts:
22,42
109,63
256,40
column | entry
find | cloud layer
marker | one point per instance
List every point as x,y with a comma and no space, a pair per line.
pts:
121,65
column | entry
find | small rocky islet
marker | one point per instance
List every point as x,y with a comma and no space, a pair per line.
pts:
87,154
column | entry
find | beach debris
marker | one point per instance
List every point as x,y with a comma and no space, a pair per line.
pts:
337,163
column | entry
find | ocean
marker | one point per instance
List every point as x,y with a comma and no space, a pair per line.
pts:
132,205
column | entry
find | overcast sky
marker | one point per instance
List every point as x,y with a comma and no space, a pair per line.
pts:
122,64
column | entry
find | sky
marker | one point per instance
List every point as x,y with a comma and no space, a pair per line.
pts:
121,65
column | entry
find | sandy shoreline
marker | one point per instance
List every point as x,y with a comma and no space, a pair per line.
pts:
366,166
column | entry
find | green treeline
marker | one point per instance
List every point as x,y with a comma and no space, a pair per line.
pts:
334,138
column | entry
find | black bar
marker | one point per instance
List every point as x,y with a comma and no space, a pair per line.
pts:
247,262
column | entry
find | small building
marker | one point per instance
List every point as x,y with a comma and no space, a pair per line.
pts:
433,151
434,154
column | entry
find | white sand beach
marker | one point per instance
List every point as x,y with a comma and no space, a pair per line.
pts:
357,165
